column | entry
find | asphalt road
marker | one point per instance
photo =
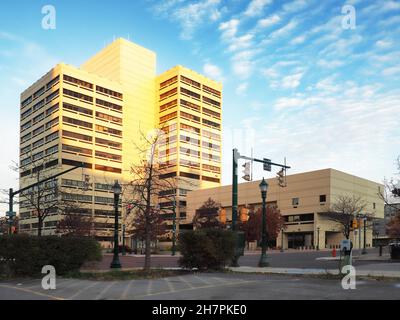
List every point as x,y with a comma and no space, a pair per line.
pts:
202,286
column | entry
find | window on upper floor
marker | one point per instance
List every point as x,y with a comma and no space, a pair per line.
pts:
295,202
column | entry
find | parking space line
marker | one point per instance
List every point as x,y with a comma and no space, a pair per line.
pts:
149,286
203,280
126,291
82,290
170,285
70,283
182,279
32,291
104,290
189,289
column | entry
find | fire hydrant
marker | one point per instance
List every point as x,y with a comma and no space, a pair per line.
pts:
334,252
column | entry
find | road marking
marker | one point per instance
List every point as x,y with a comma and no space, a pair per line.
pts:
190,289
81,291
170,285
182,279
104,290
125,293
39,285
203,280
149,286
31,291
220,280
70,283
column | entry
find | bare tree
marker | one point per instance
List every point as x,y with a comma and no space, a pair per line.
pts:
391,191
76,222
147,184
344,210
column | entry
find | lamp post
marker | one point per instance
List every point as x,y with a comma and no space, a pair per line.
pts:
263,259
282,240
117,191
318,238
174,229
364,251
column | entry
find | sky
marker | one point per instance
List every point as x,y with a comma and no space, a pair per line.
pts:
312,81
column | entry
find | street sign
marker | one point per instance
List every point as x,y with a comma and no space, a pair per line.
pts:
11,213
267,164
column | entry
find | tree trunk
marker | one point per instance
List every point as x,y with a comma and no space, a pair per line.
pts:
147,259
40,223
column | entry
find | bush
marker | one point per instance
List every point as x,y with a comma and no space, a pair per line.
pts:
206,248
24,255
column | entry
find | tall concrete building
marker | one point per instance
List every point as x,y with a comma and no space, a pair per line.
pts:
302,203
96,113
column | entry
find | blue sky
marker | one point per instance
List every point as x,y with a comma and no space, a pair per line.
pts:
296,83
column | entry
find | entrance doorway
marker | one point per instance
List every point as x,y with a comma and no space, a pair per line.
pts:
300,239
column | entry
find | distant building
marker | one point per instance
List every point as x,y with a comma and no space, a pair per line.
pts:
302,204
380,234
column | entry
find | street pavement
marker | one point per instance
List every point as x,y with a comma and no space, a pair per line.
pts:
202,286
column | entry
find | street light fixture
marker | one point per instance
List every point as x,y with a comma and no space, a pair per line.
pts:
282,240
364,251
263,259
117,191
318,238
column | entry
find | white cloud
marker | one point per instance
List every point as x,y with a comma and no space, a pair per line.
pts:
190,16
391,71
240,43
212,71
242,88
255,8
284,30
298,40
242,68
229,28
269,21
383,44
292,81
330,64
294,6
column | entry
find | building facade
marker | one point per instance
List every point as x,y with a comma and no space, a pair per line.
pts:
302,203
96,114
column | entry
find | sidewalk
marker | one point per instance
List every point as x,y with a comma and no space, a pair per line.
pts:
300,271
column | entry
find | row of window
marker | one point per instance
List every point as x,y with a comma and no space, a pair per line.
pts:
189,117
188,175
40,92
192,83
40,104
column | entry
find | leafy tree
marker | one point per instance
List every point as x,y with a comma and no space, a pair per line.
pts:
207,216
253,227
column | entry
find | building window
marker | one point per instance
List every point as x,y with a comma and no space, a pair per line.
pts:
108,105
295,202
205,178
77,95
72,108
189,93
190,82
322,198
110,93
79,83
79,123
374,205
168,82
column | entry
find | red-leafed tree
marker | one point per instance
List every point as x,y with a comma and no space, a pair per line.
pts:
393,227
156,225
253,227
207,215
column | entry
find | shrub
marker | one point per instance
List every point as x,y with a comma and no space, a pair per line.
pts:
206,248
24,255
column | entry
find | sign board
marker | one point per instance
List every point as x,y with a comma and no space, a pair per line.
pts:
267,164
346,245
11,213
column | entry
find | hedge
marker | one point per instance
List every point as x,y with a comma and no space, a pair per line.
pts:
206,248
24,255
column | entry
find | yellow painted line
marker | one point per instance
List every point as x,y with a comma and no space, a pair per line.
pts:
82,290
190,289
31,291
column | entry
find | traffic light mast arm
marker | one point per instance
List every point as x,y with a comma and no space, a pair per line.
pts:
46,179
262,161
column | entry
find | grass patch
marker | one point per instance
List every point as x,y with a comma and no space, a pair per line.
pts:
126,275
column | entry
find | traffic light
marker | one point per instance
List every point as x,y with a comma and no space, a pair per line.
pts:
244,214
355,223
86,182
222,215
246,171
281,178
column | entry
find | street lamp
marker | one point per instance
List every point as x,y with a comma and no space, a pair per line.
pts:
263,259
364,251
123,240
117,191
174,229
318,238
282,240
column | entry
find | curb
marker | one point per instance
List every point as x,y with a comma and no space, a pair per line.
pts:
299,271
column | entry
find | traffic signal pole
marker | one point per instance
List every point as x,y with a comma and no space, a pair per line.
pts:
12,193
235,157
